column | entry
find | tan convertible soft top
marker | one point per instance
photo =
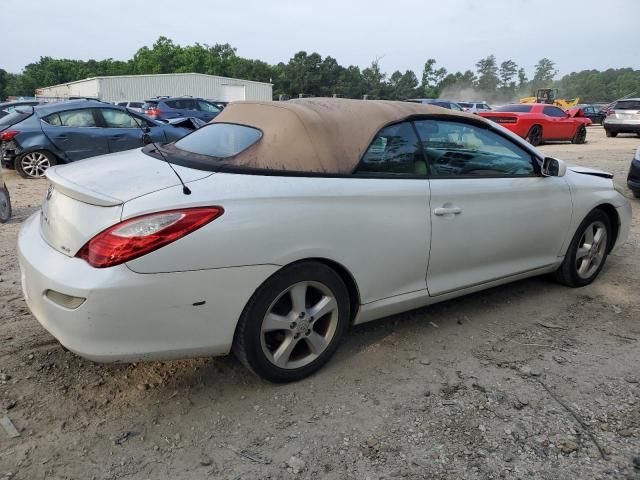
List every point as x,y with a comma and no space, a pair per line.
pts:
321,135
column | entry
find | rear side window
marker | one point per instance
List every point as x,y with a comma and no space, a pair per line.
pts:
466,105
517,108
135,105
627,105
219,140
119,119
394,151
122,104
77,118
53,119
554,112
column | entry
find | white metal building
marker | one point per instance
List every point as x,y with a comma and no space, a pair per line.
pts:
142,87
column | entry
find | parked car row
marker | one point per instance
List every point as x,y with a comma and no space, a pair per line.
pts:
33,138
623,117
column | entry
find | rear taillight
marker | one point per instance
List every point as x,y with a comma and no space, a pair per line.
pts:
8,135
154,112
140,235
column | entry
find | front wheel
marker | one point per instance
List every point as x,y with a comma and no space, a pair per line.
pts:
34,164
587,252
293,323
581,135
534,137
5,205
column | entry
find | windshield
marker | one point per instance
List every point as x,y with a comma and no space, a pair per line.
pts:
518,108
219,140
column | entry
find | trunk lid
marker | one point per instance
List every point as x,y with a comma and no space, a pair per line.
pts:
85,198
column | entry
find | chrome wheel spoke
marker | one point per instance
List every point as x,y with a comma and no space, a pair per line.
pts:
588,235
317,343
273,322
582,252
324,306
283,353
299,297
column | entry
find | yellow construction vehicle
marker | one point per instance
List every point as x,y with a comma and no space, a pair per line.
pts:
550,96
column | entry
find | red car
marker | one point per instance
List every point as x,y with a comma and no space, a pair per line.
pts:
539,122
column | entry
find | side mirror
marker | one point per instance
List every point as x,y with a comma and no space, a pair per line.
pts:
146,139
552,167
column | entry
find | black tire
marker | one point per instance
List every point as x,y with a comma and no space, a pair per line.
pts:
5,205
248,341
581,135
610,134
636,193
28,167
534,137
567,273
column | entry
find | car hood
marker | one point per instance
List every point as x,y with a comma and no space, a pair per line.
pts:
116,178
589,171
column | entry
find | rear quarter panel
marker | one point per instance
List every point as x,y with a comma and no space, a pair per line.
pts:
377,229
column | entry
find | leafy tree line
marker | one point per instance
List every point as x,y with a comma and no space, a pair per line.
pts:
310,74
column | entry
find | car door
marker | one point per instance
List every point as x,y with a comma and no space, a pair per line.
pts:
560,124
388,200
76,133
124,130
492,214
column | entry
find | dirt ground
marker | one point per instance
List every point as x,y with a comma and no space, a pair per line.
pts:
452,391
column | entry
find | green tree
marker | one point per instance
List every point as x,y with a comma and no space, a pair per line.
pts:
507,73
544,74
402,85
487,74
431,78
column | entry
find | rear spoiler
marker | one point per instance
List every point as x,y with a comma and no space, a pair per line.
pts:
78,192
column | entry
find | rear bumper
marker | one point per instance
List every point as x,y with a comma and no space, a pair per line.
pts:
620,126
129,316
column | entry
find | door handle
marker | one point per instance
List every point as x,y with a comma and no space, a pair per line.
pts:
447,211
116,137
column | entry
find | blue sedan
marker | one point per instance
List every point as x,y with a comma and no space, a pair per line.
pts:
35,138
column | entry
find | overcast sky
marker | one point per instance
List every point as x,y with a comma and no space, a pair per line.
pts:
576,34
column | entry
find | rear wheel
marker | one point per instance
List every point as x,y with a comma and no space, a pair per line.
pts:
587,252
5,205
609,133
636,193
580,136
34,164
534,137
293,323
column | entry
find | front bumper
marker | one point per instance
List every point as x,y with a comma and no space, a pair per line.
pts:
129,316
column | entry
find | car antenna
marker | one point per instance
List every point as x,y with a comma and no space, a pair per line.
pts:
186,190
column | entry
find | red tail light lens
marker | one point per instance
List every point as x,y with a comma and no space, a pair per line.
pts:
8,135
154,112
141,235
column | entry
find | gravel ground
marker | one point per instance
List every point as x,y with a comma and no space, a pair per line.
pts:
530,380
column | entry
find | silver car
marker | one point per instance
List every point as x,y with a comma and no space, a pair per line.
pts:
624,117
474,107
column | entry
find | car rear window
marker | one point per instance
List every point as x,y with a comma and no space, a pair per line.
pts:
465,105
149,105
219,140
627,105
18,115
514,108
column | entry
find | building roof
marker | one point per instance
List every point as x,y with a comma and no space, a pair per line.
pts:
154,75
321,135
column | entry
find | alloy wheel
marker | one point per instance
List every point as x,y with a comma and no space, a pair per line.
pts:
591,249
35,164
299,325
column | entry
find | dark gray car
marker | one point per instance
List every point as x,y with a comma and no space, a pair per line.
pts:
34,138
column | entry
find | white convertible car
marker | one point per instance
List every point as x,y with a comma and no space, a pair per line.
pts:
271,230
